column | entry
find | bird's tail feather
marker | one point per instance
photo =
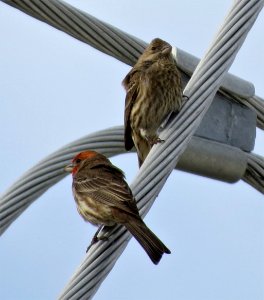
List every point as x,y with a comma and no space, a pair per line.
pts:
148,240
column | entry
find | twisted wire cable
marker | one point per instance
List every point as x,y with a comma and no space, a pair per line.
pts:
257,104
122,46
254,174
83,27
162,158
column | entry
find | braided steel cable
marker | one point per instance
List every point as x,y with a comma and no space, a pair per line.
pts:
257,104
162,158
254,174
122,46
83,27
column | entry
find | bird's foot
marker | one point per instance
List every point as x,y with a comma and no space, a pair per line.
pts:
185,98
155,140
99,236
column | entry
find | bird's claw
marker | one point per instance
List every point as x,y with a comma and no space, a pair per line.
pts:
93,241
97,238
156,141
185,98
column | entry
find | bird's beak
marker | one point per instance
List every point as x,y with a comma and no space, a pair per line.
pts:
69,168
166,49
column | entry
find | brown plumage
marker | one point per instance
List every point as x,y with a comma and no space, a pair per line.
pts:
104,198
154,90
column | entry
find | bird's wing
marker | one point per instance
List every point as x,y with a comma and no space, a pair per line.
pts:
131,86
132,82
107,185
130,100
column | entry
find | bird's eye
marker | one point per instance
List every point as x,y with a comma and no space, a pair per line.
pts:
153,48
78,160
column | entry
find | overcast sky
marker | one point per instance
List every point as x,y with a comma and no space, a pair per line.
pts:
55,89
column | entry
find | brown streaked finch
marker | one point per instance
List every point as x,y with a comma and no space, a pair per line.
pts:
104,198
153,91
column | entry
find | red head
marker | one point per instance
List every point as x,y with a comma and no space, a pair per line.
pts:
78,159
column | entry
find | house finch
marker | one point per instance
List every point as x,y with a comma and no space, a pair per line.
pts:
154,90
104,198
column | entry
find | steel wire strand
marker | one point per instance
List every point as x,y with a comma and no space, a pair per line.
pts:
162,158
257,104
116,43
84,27
254,174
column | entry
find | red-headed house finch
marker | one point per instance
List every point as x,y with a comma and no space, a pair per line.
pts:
104,198
154,90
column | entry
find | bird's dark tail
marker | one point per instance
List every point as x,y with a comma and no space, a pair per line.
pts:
148,240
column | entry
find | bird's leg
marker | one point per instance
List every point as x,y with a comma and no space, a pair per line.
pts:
98,236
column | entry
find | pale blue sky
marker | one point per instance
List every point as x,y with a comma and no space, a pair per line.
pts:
55,89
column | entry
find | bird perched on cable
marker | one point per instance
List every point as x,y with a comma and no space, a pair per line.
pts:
104,198
153,91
